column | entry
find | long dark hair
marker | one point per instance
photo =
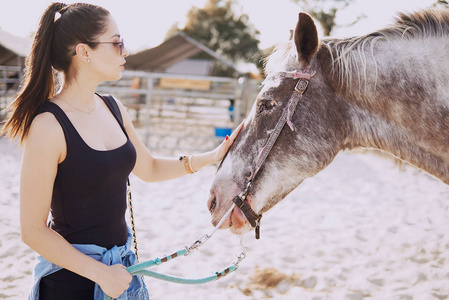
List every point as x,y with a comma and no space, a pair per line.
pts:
60,29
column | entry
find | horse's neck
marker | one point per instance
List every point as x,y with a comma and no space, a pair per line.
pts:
425,149
405,112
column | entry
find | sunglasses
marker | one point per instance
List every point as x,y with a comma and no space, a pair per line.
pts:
120,45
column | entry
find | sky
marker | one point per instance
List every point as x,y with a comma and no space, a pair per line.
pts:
144,23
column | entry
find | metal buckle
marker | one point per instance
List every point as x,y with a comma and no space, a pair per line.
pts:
198,243
301,86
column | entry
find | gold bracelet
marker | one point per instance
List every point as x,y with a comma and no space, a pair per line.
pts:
186,164
190,164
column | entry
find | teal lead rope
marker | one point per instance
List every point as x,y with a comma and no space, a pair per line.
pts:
141,268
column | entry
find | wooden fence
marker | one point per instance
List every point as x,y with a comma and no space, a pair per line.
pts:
188,113
173,113
10,78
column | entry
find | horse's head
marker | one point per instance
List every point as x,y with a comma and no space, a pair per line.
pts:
296,155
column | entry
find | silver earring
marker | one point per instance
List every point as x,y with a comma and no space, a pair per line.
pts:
88,60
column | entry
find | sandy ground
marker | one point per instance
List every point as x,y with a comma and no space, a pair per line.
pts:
361,229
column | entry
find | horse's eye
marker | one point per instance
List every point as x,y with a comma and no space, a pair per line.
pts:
266,105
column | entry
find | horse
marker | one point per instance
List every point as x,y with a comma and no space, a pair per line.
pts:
387,90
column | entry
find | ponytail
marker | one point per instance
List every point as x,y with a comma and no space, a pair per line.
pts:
38,83
53,43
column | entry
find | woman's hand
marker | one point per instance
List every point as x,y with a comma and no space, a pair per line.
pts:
223,148
114,280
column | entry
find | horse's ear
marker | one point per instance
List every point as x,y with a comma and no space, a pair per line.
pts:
306,38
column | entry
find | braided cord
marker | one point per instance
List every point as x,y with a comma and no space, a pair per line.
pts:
133,226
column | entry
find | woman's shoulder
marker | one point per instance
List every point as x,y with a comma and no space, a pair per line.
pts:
45,120
45,127
44,144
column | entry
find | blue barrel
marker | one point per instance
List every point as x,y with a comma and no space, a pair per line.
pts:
222,131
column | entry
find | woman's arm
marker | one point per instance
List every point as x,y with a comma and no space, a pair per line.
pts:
44,149
150,169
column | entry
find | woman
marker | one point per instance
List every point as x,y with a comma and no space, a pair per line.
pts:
79,150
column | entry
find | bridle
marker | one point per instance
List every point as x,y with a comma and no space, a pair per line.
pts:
239,200
301,86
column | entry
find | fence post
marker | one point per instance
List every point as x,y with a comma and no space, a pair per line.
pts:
149,91
5,82
19,64
238,93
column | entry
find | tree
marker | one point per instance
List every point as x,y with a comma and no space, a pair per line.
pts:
220,29
325,11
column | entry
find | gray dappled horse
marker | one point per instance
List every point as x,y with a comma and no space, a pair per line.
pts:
387,90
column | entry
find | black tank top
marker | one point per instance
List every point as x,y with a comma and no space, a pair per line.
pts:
89,193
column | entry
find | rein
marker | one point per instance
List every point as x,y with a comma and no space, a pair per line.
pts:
301,86
140,268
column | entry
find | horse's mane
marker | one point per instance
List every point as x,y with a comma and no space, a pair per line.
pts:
349,54
283,55
432,22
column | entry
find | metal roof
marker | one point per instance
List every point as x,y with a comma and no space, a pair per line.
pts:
170,52
12,47
175,49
